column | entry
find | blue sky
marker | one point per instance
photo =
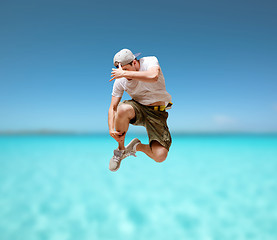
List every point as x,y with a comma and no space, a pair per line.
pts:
219,59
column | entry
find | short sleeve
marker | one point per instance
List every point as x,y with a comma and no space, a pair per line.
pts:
152,62
118,89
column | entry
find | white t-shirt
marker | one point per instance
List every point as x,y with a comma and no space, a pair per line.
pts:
145,93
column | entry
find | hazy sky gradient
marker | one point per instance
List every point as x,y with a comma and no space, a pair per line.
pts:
219,59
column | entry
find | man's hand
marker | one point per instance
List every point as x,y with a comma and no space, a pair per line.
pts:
117,72
118,136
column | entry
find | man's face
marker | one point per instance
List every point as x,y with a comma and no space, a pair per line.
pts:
128,67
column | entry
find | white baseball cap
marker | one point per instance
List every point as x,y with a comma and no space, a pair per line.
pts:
124,57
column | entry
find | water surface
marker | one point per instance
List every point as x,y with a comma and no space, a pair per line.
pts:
211,187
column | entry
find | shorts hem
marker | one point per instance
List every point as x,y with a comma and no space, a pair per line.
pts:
160,142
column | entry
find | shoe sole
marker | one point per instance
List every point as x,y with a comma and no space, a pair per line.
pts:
135,139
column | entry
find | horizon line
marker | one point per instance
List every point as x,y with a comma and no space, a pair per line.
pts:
174,132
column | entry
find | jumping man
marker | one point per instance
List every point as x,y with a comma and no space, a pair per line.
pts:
143,80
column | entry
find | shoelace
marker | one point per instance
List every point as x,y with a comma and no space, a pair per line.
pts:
116,158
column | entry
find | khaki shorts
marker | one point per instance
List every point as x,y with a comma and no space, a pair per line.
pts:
154,122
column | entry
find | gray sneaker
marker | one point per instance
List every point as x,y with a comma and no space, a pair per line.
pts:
119,155
116,160
130,149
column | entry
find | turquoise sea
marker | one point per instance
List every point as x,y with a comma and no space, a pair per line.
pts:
211,187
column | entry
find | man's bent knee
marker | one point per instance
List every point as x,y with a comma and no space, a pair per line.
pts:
159,151
125,110
160,156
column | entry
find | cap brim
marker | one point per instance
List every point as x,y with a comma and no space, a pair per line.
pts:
137,54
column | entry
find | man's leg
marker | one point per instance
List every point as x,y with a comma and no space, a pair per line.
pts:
125,112
156,151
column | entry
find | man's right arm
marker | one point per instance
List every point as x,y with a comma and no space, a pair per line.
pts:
111,116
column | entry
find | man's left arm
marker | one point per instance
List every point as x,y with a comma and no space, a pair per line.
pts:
151,75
